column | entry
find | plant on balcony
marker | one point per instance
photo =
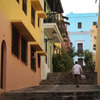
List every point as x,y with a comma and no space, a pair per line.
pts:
49,18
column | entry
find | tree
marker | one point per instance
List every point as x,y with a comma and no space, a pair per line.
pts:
62,62
90,65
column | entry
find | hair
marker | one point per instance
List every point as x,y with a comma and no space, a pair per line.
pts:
76,62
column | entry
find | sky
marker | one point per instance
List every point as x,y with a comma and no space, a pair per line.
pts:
80,6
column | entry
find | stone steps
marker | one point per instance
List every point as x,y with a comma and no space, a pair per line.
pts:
55,92
50,96
66,79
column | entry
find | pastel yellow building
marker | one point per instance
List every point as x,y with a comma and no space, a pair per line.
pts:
94,35
98,49
20,43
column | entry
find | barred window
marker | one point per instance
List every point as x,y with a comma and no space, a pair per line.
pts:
38,22
32,16
25,6
46,52
39,59
94,23
80,47
23,50
44,6
33,59
17,1
79,25
15,41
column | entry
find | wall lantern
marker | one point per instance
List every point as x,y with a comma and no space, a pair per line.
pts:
54,36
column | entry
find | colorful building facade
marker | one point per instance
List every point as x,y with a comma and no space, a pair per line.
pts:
50,33
79,32
20,43
98,49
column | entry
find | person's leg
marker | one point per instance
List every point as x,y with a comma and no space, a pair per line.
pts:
78,76
76,79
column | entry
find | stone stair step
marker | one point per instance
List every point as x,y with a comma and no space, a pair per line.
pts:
65,78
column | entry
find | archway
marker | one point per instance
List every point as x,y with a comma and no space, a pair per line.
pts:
3,65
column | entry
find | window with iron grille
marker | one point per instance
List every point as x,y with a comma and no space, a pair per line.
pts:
46,51
80,47
15,41
38,22
94,23
33,59
25,6
23,50
44,6
17,1
79,25
32,16
39,59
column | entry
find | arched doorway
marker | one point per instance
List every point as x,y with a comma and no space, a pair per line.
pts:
3,65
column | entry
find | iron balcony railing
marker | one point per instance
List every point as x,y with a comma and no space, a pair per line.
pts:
51,18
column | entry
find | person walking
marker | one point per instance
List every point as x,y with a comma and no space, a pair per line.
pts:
77,71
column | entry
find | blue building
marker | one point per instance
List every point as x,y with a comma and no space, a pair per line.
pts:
79,32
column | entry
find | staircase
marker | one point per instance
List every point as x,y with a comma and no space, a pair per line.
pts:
66,79
58,86
54,92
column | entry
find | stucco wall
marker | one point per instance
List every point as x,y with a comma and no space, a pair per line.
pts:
98,49
18,75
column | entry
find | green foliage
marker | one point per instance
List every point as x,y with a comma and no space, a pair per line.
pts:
88,60
62,62
71,52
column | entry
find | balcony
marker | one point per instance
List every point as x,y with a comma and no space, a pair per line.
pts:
52,23
80,51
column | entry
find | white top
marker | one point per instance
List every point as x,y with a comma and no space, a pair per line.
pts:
77,69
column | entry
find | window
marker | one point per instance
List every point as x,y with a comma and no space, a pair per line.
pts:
80,47
80,61
94,23
33,59
23,50
38,22
39,59
17,1
46,51
32,16
25,6
79,25
15,41
44,6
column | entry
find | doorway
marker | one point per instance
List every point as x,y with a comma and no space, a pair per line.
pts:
3,65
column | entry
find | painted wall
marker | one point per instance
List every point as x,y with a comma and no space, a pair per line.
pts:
81,34
98,49
94,36
15,13
17,74
87,20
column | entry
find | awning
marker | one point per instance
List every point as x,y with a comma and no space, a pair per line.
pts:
38,48
41,53
42,14
37,5
23,30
